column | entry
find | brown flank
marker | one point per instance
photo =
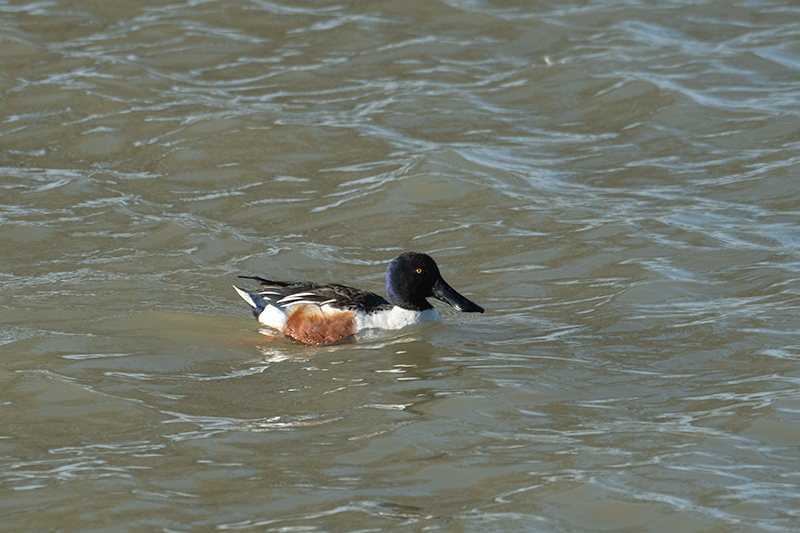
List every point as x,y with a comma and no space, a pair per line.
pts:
309,325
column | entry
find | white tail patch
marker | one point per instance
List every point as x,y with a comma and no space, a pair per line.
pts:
273,317
246,297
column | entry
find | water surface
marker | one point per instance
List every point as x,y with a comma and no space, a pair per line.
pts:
615,183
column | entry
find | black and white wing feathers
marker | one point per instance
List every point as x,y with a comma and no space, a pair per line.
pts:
285,294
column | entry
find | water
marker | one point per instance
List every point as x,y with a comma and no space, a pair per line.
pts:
615,182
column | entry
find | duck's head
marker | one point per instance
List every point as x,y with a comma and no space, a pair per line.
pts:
413,277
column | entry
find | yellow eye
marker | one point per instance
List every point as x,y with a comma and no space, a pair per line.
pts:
419,271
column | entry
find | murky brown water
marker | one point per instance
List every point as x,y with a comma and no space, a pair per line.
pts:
616,183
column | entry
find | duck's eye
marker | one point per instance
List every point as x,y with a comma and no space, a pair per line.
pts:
419,271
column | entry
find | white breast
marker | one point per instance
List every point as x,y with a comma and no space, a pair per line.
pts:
395,318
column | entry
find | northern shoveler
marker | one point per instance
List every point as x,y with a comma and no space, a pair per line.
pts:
321,314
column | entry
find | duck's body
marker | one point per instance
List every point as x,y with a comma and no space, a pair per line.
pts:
321,314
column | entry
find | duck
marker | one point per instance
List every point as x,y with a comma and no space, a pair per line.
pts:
319,314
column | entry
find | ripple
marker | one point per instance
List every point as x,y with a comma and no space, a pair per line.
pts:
615,180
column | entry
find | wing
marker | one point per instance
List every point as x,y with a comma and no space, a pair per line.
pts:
285,294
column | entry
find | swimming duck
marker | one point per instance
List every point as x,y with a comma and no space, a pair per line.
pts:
320,314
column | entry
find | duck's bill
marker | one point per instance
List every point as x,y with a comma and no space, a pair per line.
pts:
444,292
